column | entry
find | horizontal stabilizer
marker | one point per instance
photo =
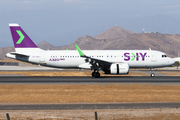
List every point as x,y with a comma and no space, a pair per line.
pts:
15,53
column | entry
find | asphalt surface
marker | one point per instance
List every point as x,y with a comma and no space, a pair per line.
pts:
89,80
89,106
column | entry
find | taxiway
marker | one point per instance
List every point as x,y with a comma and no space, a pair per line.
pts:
89,106
90,80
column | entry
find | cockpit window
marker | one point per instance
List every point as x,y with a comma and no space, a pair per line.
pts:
164,56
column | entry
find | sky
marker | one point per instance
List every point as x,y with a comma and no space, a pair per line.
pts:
61,22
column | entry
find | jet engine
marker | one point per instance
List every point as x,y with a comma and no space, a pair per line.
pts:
119,68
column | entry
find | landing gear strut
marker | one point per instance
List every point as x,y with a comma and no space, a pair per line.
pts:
152,72
95,74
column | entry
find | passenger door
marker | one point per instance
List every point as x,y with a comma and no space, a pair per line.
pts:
42,57
153,57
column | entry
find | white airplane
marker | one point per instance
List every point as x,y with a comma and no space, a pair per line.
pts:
110,61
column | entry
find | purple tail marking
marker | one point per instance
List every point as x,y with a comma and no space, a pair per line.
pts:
20,38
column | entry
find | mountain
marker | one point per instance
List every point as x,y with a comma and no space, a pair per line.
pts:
155,23
170,44
5,50
117,38
45,45
100,41
114,32
86,42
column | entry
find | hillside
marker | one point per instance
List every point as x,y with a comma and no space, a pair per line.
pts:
114,32
45,45
5,50
117,38
170,44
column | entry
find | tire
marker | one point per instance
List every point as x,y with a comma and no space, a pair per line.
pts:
152,74
93,74
97,75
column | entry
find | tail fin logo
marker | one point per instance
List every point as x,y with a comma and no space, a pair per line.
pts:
21,37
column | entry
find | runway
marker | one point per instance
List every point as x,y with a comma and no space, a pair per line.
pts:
89,80
89,106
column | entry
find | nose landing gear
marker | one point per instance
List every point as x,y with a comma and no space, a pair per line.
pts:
152,72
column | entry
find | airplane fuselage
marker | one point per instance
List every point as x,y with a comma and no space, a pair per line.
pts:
71,58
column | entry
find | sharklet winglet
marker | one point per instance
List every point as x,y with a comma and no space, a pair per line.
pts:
79,51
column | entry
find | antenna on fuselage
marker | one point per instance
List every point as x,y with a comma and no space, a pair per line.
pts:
149,47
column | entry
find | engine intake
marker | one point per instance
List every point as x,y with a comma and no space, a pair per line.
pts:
119,68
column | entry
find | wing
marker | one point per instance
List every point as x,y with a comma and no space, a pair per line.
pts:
94,61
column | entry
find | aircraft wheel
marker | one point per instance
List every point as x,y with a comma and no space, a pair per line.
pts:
97,75
152,74
93,74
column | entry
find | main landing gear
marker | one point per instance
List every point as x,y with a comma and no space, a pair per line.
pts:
152,72
95,74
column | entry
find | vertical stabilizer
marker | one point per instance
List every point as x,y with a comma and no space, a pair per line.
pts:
20,38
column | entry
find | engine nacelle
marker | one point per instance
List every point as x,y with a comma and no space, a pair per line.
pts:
119,68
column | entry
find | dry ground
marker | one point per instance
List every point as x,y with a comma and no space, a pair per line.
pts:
64,73
21,63
105,93
171,73
104,114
